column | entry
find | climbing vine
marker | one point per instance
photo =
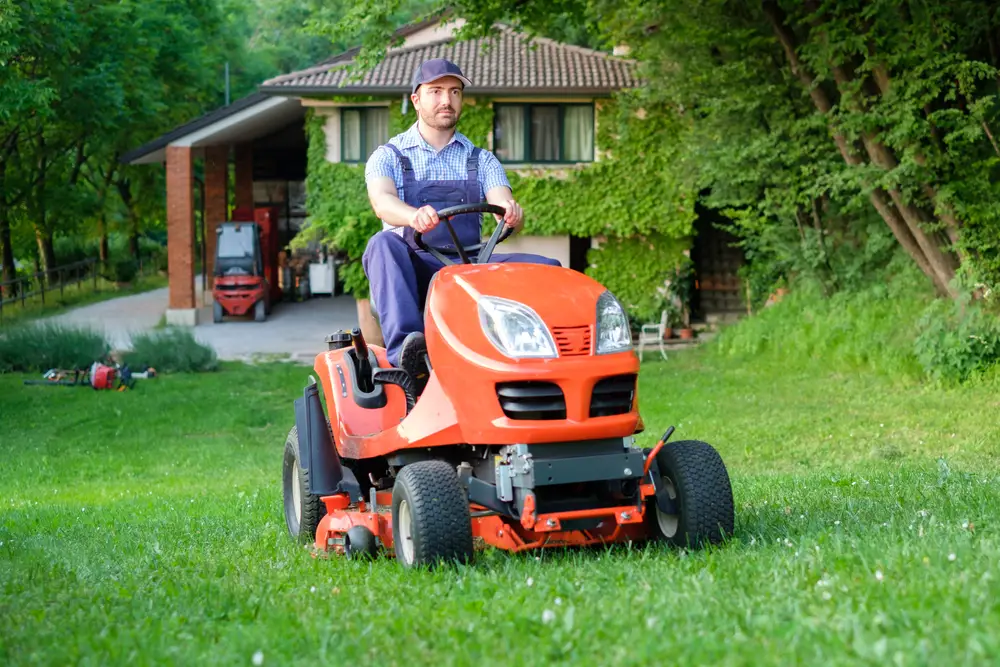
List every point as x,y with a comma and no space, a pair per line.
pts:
628,196
636,269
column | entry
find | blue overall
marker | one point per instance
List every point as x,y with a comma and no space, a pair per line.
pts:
399,272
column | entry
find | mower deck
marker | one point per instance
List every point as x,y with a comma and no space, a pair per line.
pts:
618,524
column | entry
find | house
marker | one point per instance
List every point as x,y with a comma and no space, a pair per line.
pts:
536,104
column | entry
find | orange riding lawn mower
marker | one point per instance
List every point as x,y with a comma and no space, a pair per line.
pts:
512,423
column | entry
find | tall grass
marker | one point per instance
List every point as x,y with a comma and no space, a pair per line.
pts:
39,347
874,329
171,350
894,326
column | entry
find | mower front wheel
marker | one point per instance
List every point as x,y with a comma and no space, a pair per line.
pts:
694,477
217,312
430,515
303,510
260,311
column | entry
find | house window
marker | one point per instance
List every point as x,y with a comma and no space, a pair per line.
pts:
543,132
362,130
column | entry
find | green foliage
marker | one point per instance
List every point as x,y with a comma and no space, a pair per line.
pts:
37,348
122,269
171,350
636,270
873,328
958,342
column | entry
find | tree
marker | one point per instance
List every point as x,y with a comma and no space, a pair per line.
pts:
808,120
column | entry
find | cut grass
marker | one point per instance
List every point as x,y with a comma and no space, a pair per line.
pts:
146,527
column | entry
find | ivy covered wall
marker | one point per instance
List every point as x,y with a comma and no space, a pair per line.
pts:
626,199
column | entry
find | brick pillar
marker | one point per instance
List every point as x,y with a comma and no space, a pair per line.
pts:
180,229
216,201
244,175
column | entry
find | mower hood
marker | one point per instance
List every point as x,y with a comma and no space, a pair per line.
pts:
464,303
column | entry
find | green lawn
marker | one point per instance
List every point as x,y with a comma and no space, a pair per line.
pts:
146,528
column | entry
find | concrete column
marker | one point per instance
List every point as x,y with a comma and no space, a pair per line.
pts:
180,236
244,175
216,202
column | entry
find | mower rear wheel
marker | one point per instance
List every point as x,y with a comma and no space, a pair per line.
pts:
260,311
303,510
696,480
217,312
430,515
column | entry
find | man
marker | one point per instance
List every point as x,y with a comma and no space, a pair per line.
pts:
417,173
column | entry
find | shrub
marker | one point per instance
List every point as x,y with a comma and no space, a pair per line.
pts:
958,341
39,347
172,350
122,269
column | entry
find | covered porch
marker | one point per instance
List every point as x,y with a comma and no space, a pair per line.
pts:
247,155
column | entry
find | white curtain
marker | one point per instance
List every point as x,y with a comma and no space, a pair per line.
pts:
579,134
545,133
508,135
350,145
376,129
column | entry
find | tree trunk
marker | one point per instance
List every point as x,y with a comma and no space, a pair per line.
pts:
952,226
125,192
102,230
880,200
943,264
6,247
46,250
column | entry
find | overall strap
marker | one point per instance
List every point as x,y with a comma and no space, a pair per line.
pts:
472,181
408,173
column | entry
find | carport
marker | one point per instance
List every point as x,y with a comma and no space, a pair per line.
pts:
262,139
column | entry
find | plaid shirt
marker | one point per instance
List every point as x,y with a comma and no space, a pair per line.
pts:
428,164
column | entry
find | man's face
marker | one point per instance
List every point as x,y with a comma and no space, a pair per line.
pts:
439,103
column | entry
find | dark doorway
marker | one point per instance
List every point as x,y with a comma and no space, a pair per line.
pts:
718,289
578,247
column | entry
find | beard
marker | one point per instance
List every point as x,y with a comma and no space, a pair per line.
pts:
442,118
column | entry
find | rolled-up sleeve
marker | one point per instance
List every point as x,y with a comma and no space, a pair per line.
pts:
380,164
492,173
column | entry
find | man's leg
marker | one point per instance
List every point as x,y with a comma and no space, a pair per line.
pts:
525,258
396,285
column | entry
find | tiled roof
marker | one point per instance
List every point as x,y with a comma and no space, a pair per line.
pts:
510,63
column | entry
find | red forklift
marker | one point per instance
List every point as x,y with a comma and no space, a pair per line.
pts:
246,264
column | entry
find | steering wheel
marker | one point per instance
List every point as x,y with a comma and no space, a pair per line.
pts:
485,251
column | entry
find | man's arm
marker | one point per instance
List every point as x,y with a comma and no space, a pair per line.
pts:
386,203
498,191
385,199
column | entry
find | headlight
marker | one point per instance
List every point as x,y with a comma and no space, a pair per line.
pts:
613,332
514,329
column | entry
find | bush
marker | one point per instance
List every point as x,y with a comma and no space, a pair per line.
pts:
39,347
958,341
122,269
172,350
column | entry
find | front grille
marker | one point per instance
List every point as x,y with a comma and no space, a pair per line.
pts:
612,396
572,341
532,400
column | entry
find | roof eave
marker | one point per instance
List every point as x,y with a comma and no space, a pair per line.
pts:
400,90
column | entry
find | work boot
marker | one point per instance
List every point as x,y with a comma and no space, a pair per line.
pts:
413,359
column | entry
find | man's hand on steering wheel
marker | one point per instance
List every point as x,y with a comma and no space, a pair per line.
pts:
424,219
514,218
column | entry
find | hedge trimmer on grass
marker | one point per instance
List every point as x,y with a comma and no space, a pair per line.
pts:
98,376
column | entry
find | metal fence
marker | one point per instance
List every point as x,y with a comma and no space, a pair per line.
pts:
16,293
